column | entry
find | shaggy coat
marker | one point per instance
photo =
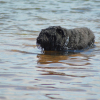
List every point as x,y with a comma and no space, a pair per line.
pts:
58,38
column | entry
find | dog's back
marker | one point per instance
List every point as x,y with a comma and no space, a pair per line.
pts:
80,38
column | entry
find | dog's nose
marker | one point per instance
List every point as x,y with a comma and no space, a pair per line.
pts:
39,40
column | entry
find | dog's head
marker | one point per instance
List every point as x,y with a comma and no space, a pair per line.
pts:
52,38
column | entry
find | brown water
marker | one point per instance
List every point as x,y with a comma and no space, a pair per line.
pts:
27,73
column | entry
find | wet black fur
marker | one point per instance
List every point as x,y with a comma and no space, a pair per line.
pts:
58,38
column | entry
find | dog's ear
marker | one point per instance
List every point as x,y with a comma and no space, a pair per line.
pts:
60,31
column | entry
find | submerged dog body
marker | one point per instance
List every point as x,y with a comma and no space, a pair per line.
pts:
58,38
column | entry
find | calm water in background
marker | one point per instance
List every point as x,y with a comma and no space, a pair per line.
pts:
26,73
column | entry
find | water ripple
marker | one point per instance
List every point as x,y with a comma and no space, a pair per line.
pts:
27,72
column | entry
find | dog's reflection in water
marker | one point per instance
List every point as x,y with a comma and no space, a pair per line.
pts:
50,57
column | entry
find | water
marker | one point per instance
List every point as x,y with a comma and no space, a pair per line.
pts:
27,73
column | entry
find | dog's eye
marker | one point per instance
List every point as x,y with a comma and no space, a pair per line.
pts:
59,31
48,35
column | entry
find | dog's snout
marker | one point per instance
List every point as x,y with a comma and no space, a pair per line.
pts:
39,40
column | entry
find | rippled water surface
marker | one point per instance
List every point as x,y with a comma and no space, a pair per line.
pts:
27,73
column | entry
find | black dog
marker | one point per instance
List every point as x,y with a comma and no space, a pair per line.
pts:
58,38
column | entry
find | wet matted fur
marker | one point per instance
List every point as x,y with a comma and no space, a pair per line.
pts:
58,38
